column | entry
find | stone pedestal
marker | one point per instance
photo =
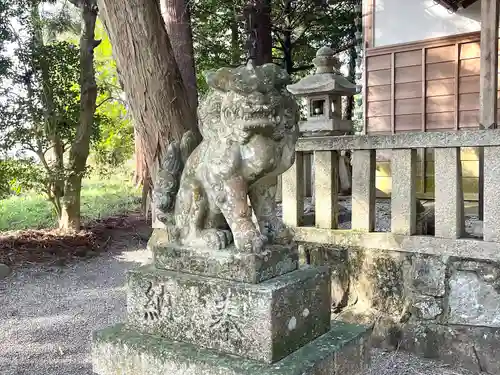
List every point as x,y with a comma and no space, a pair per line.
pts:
202,312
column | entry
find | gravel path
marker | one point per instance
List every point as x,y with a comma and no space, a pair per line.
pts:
47,316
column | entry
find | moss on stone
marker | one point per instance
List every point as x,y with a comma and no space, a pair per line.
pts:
119,347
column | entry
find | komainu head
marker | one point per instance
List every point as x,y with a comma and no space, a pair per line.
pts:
248,100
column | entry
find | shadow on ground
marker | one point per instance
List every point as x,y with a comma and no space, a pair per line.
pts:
47,314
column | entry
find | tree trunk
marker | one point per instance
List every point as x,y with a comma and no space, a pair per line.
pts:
79,151
349,108
287,42
235,42
264,37
55,166
176,16
151,78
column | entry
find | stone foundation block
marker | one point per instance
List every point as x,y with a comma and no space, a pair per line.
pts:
229,264
344,350
265,321
474,348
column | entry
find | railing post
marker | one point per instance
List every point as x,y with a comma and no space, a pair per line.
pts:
326,164
491,223
449,202
403,199
293,192
363,190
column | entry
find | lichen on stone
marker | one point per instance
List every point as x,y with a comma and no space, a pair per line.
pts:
249,125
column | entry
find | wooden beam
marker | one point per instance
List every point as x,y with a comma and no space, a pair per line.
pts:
457,86
368,18
467,3
393,93
425,43
424,88
488,79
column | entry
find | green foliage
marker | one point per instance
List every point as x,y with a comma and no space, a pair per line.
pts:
212,22
8,9
18,176
100,199
40,110
115,144
42,92
299,28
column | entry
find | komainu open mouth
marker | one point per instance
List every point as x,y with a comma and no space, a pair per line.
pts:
260,116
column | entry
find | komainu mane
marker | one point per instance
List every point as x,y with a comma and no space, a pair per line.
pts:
249,125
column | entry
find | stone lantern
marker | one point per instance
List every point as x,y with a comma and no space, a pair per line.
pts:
323,91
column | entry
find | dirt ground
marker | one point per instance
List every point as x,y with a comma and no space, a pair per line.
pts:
65,287
52,247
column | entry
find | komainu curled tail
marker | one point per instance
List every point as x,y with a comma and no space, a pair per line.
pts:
168,179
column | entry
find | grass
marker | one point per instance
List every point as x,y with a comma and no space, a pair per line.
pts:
100,198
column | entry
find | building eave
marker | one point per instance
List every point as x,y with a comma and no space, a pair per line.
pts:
454,5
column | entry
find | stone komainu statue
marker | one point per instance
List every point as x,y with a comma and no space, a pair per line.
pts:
249,125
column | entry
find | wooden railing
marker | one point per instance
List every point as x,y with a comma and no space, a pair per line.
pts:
449,204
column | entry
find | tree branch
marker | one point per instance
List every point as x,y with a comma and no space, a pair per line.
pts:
306,28
108,99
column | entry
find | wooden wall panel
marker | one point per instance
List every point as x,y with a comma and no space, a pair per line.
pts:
469,102
378,62
437,104
378,124
469,84
408,106
437,83
440,87
409,74
377,93
382,108
469,67
440,70
410,58
468,119
379,77
408,90
411,122
440,121
440,54
469,50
